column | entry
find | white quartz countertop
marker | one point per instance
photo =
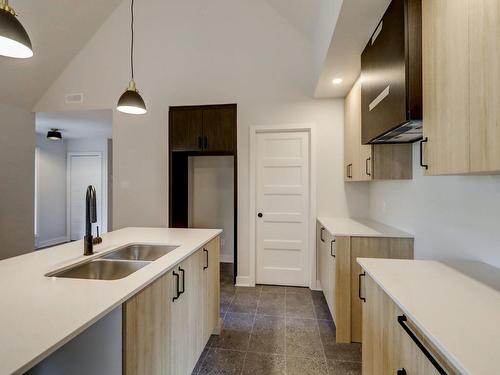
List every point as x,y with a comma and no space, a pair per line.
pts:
455,304
360,228
39,314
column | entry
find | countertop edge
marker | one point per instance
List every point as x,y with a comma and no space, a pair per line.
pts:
392,232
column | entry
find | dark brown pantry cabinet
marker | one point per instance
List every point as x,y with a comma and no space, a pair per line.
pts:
198,129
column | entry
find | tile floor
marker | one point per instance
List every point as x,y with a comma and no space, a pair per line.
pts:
271,330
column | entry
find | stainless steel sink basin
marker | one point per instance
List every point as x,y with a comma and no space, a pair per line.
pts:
101,269
140,252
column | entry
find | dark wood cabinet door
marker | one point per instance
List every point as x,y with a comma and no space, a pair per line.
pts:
218,129
186,129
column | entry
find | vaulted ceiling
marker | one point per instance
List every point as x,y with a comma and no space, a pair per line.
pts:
58,30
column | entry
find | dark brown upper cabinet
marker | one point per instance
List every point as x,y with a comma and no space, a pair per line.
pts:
391,76
205,129
186,129
218,129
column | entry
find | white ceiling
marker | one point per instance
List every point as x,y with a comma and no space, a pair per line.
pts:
356,23
302,14
58,30
76,124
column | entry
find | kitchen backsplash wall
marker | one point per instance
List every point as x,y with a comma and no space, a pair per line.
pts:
450,216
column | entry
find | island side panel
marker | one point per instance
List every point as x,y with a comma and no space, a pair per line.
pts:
97,350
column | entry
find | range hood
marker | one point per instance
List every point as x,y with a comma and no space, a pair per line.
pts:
391,77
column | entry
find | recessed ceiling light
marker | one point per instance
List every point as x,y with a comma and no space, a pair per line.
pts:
337,81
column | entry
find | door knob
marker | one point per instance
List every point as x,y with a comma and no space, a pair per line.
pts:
260,214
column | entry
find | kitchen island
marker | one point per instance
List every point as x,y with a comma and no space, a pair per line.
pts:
40,314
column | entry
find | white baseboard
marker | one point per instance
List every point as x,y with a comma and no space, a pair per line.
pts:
244,281
52,242
317,287
226,258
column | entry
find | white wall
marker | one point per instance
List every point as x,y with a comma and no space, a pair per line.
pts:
450,216
211,198
51,192
96,145
17,172
199,52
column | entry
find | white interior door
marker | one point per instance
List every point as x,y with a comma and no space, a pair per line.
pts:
84,170
282,198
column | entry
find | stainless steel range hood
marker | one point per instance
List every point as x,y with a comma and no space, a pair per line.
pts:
391,76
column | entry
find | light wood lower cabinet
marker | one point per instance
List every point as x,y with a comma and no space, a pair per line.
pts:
387,347
211,295
146,329
168,323
339,275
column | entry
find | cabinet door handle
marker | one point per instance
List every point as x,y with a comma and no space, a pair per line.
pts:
206,253
183,281
200,142
349,171
331,248
401,372
359,287
425,140
177,293
366,167
402,322
321,235
205,142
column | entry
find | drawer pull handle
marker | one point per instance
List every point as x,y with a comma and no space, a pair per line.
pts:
177,293
359,287
425,140
331,248
321,235
402,322
206,253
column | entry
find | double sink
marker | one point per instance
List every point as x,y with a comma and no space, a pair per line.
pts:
117,264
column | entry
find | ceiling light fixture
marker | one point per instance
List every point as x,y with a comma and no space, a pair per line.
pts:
14,40
54,135
337,81
131,101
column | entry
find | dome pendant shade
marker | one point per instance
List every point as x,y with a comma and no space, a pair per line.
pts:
14,40
54,135
131,101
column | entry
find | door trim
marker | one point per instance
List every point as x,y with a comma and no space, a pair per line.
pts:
104,189
254,130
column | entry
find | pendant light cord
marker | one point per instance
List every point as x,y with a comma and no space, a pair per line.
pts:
132,43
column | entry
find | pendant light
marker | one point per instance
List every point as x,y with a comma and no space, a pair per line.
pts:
131,101
54,135
14,40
